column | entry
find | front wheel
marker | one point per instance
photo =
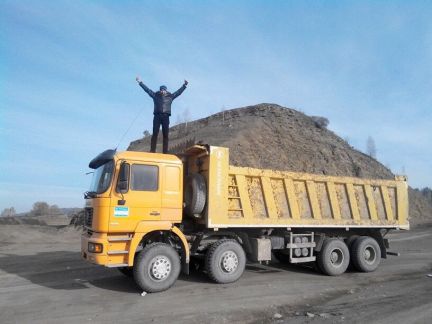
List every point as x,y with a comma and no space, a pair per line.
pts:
156,267
225,261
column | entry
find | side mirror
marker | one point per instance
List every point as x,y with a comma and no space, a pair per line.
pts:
123,179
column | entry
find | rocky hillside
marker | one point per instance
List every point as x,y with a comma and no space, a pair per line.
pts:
420,206
274,137
270,136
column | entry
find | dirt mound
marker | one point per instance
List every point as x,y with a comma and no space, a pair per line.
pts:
49,220
36,234
420,206
21,220
274,137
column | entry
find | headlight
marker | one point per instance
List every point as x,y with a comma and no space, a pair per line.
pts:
95,247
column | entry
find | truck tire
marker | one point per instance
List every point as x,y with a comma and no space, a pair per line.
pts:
225,261
127,271
156,267
350,241
334,257
195,195
366,254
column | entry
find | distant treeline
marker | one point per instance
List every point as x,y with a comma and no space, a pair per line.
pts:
41,208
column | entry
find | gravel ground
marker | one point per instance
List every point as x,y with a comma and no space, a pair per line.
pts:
45,281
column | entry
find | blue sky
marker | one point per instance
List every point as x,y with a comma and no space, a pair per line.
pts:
67,88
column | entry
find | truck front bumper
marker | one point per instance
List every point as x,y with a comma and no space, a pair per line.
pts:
96,258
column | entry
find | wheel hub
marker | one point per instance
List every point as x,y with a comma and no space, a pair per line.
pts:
160,268
336,257
229,261
369,255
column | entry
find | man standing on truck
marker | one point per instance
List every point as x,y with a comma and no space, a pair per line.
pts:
162,100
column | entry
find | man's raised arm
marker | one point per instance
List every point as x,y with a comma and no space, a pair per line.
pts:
180,91
146,89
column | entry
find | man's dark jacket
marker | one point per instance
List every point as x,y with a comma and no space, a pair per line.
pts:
162,104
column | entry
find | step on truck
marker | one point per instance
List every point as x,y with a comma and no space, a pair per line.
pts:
153,215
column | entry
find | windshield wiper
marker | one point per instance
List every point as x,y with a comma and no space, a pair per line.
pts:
90,194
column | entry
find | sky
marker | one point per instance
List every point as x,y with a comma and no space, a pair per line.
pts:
68,68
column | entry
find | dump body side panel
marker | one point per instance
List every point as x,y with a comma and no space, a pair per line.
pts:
266,198
217,197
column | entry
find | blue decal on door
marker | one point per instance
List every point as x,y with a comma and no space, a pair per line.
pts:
121,211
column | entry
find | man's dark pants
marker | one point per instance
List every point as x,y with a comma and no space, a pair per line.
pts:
158,120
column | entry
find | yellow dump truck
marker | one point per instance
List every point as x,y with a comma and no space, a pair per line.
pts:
150,215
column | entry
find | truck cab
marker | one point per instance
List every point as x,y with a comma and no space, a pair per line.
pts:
133,195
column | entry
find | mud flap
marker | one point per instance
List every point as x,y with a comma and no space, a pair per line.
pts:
383,243
184,265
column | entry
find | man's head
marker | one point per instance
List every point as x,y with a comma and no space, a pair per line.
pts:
163,89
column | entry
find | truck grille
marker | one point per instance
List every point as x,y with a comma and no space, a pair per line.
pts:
88,221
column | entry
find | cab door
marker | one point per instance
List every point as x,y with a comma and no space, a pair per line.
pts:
141,201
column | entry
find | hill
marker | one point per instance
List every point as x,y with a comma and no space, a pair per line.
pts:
273,137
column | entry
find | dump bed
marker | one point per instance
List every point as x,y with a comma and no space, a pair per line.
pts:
248,197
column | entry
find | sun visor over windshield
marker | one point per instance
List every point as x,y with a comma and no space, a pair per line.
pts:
102,158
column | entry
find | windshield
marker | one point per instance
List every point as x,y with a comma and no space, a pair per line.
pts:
102,178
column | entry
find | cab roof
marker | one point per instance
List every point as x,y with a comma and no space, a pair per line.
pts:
148,157
109,155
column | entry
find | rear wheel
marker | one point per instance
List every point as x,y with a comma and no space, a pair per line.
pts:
334,258
157,267
225,261
366,254
350,241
